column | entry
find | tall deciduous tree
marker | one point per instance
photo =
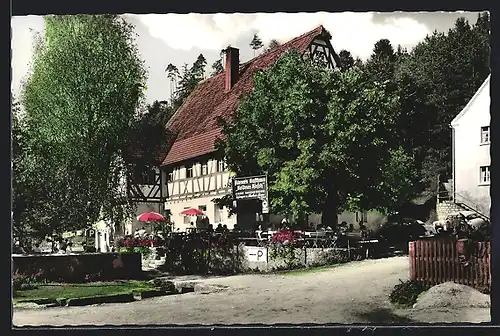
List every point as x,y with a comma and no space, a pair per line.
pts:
324,138
80,101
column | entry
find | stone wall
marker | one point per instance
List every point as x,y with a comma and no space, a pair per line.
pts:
445,208
251,258
303,258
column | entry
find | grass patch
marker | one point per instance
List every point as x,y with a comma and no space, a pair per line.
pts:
71,291
309,270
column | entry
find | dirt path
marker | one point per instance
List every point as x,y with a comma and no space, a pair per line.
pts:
352,293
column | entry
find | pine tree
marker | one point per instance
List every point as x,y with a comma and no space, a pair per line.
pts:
217,67
256,43
198,68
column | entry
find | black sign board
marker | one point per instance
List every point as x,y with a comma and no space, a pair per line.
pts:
252,187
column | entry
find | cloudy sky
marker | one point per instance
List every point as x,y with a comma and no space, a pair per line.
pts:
180,38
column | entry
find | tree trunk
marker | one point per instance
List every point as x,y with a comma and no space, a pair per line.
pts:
329,216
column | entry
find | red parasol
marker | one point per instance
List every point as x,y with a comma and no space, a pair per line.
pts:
151,217
192,212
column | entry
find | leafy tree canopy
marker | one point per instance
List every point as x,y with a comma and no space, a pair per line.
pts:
324,138
80,101
437,79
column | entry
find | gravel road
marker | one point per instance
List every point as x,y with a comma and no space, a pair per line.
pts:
352,293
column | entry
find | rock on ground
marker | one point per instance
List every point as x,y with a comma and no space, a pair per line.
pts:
450,294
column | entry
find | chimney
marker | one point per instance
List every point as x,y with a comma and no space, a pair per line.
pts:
232,67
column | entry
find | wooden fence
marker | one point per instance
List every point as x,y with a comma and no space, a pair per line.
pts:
465,262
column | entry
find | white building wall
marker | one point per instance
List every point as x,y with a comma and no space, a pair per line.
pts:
132,224
470,154
213,212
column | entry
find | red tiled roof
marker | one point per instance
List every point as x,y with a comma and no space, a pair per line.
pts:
195,122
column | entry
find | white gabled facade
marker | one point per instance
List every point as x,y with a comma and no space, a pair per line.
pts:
471,152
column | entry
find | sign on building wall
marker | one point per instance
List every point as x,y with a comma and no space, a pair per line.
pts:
256,254
251,188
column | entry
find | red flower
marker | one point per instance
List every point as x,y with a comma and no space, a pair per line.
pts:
285,236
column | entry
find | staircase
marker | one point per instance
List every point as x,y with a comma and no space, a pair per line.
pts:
469,206
449,202
153,261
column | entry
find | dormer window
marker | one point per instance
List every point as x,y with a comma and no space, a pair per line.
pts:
485,135
147,176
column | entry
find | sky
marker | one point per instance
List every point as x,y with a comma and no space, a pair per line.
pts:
180,38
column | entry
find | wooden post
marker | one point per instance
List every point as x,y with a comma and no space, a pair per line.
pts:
412,260
348,249
305,255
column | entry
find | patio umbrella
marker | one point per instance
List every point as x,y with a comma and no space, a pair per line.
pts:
192,212
151,217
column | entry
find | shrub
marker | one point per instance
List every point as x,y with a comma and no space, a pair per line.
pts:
164,285
406,293
22,282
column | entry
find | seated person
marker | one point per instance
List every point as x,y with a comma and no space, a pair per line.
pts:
219,228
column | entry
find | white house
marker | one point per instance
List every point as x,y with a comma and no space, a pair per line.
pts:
471,153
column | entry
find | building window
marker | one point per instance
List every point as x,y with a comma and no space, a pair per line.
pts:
147,176
484,175
187,219
202,208
204,168
170,176
221,166
485,135
189,171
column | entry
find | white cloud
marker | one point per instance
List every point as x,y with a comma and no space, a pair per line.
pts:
356,32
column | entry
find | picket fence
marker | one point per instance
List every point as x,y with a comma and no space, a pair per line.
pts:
465,262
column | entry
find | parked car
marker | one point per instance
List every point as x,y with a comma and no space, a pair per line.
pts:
401,230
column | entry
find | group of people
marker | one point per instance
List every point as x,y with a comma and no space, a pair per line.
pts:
58,245
221,228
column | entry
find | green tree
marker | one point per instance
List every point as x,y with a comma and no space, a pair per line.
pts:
346,60
217,67
383,61
256,43
80,101
198,68
324,138
273,44
173,75
436,80
189,77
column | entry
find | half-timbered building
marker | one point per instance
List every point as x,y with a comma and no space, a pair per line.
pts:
192,172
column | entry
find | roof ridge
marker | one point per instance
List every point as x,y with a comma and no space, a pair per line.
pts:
321,28
194,123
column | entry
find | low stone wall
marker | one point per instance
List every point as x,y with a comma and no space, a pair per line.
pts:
75,268
251,258
259,258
